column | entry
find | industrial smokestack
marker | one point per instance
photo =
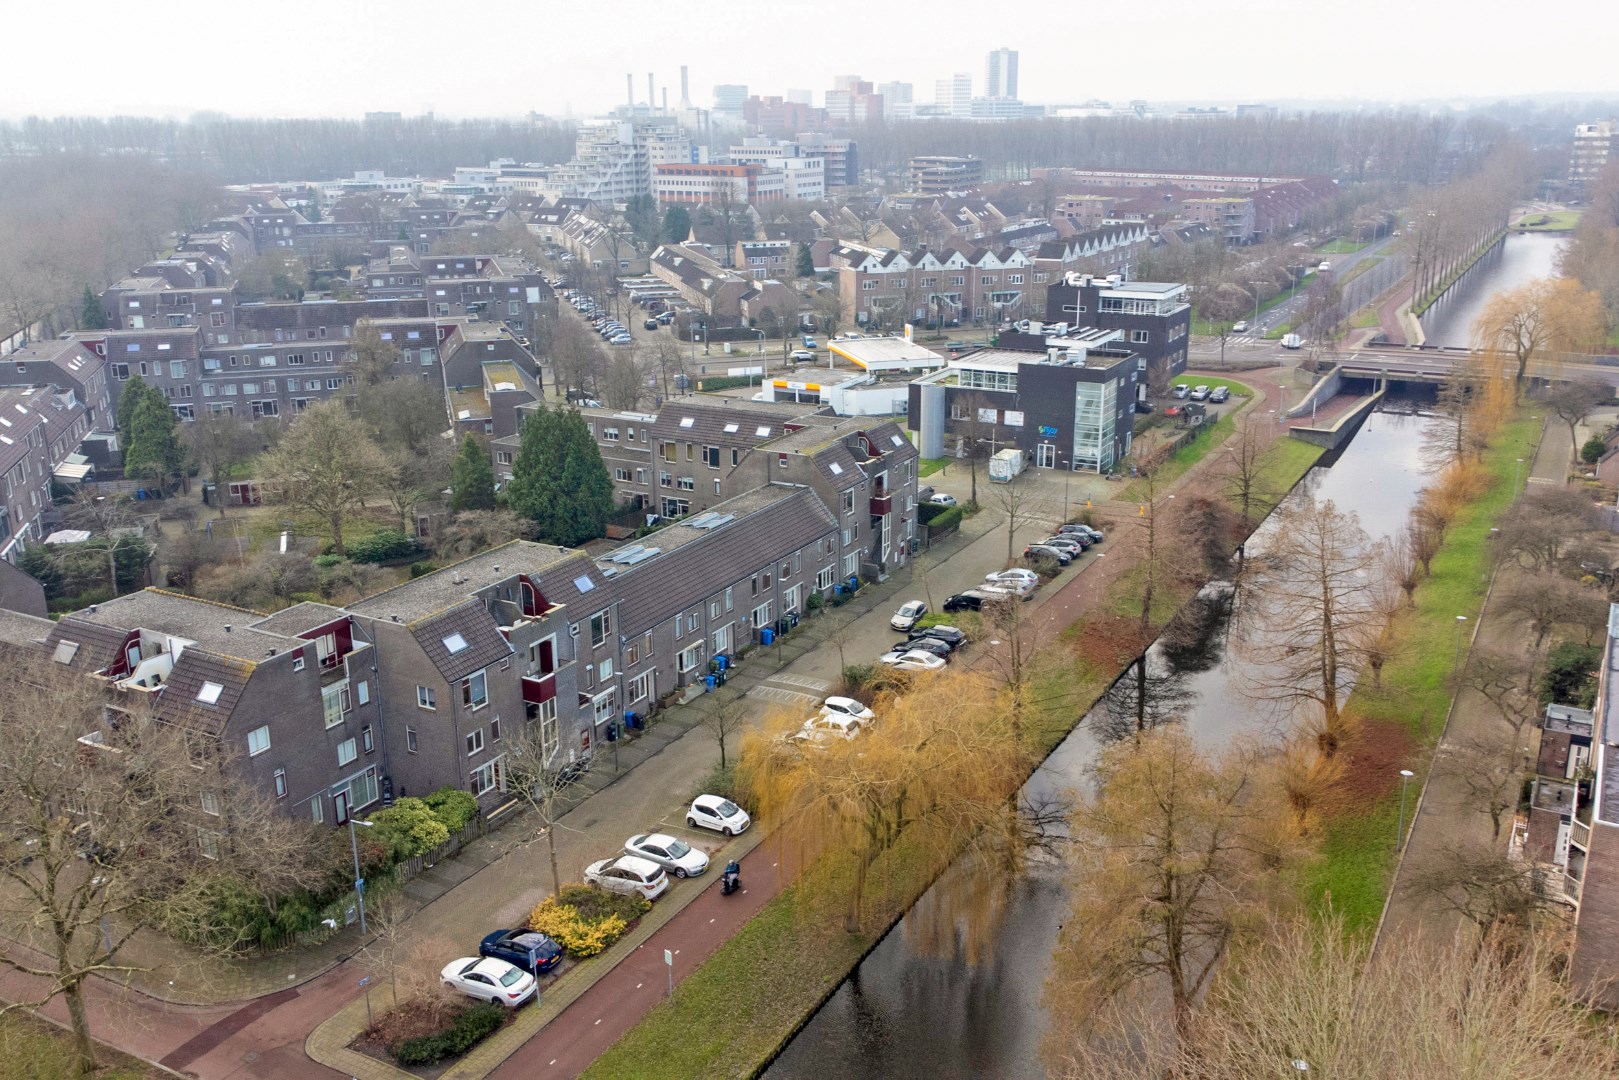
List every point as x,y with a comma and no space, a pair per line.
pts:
666,99
685,94
629,85
651,95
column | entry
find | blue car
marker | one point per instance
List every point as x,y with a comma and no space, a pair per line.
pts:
513,946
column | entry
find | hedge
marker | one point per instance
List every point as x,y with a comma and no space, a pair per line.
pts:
950,519
470,1026
386,545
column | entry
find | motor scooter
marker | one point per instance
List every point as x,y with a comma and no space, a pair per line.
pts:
731,880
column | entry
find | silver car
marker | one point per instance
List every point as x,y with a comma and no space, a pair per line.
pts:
674,855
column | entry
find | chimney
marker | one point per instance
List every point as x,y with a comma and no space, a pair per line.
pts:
685,95
651,97
666,99
227,628
629,86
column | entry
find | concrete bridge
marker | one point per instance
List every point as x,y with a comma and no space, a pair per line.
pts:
1426,364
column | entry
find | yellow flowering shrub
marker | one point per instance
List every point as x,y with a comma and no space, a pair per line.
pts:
579,936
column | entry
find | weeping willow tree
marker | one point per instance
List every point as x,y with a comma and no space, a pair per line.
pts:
934,775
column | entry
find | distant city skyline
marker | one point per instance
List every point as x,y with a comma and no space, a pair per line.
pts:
321,59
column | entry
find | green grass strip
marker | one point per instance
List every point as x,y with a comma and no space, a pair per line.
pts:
1359,847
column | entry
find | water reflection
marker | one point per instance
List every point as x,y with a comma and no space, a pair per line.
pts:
1522,257
917,1006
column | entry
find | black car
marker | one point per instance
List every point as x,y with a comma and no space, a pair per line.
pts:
514,946
932,645
947,634
1145,406
650,324
967,601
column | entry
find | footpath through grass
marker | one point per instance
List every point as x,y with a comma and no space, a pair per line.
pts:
1352,877
732,1014
1339,246
1555,221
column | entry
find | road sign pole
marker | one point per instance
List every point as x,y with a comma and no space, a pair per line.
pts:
669,962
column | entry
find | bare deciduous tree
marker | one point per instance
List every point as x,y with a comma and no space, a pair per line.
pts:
326,468
115,823
1307,616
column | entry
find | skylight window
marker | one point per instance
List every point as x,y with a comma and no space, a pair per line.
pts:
583,583
66,651
731,429
896,440
455,643
686,421
837,470
209,694
762,431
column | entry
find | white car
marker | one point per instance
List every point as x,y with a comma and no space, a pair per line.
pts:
943,500
721,815
803,356
908,613
1017,576
846,706
488,979
821,730
1020,589
676,856
628,874
1240,326
911,660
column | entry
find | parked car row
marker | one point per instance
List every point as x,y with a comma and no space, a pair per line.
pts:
1069,544
1198,394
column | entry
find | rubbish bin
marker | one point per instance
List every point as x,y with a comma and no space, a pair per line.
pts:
767,636
723,661
711,681
720,678
792,618
632,721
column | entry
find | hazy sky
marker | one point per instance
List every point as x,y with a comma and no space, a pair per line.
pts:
346,57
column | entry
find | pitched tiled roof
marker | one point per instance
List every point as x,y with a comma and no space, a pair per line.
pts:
221,628
709,422
20,628
97,645
178,702
443,589
484,644
789,519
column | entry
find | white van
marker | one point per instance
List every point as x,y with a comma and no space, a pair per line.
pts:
1292,341
1324,268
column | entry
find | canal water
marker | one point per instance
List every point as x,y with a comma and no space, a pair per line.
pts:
911,1012
1521,258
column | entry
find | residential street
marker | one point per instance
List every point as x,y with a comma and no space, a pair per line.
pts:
501,877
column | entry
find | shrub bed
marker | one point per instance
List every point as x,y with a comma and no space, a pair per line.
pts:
584,921
470,1026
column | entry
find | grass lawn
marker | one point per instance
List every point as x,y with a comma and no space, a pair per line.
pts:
1556,221
1359,848
1365,318
929,465
35,1049
1340,246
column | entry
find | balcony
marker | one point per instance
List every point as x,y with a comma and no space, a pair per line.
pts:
336,668
538,689
882,503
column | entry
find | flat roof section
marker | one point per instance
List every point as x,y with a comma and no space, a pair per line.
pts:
886,354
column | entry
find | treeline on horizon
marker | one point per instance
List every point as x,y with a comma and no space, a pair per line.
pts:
1386,145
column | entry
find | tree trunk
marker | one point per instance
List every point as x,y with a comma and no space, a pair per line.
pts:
84,1048
551,845
337,533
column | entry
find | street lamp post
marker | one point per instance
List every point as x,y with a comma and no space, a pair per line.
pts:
1456,661
1256,285
1517,470
359,882
1399,836
761,334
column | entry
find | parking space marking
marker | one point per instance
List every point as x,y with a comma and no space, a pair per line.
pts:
802,680
785,697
